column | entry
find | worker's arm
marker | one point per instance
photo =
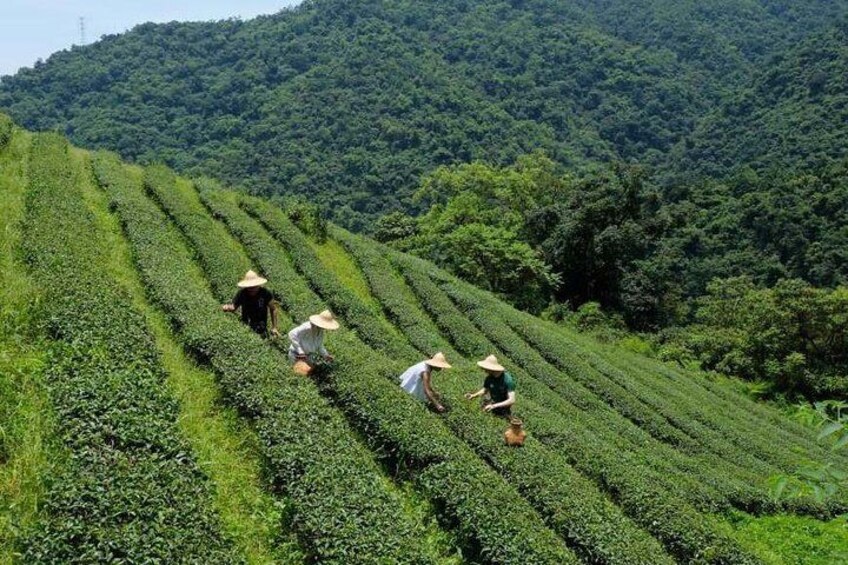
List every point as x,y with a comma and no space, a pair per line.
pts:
275,329
431,394
473,395
294,337
510,400
234,305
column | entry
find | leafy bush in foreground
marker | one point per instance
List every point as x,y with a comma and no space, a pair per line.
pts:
129,489
6,128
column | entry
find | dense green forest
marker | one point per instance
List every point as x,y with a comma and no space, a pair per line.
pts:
646,157
350,102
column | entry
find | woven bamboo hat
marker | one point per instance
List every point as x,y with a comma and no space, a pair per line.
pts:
324,320
439,361
490,363
251,279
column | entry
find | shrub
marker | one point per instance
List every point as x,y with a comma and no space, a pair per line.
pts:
490,520
334,484
129,489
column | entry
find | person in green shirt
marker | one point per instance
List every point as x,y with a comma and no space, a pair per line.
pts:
499,384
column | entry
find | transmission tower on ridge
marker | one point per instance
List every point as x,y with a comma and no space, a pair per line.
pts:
82,30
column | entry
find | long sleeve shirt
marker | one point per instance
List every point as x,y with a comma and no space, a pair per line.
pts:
306,339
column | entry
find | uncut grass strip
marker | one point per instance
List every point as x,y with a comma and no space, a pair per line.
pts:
394,291
28,443
342,510
226,447
412,438
570,503
368,323
178,198
128,489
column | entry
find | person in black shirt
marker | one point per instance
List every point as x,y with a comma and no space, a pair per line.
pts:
255,303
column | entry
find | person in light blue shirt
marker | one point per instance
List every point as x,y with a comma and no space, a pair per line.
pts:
418,380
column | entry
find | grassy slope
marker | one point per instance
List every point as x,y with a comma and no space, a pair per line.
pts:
25,413
778,540
224,446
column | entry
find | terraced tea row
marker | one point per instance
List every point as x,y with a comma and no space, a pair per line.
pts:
335,487
670,520
486,511
127,488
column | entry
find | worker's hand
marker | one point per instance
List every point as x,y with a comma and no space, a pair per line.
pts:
469,396
228,308
275,332
489,407
440,409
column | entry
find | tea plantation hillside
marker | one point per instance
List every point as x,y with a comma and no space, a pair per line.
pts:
141,423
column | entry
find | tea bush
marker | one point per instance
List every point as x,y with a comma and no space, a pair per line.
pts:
491,517
311,453
129,488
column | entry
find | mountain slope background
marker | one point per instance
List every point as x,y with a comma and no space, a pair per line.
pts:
350,102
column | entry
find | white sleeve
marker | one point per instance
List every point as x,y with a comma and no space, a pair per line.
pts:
294,337
324,351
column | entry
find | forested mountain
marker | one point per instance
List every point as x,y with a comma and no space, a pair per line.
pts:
350,102
793,116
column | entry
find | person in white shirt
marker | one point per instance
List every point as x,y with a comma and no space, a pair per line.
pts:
418,380
309,337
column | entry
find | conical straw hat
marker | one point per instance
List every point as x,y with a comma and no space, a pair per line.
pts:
324,320
490,363
251,279
439,361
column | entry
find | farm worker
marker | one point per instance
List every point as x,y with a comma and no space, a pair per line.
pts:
309,337
255,303
417,380
499,384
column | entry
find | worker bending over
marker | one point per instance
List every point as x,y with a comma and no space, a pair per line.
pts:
308,338
418,380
